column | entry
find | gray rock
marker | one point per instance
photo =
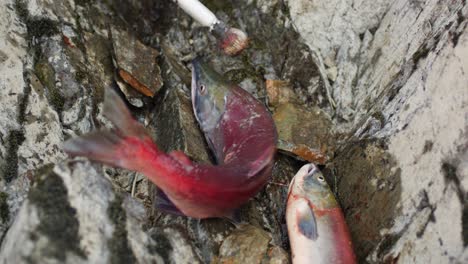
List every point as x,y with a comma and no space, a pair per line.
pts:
72,214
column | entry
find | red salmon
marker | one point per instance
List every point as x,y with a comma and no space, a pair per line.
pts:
316,226
239,130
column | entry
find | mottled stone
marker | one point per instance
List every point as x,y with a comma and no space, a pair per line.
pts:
280,92
136,62
246,244
304,133
276,255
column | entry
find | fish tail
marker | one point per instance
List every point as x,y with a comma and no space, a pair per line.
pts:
120,147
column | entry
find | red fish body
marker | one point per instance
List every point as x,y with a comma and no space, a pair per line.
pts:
316,226
239,131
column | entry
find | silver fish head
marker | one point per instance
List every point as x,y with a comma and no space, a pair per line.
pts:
209,94
310,183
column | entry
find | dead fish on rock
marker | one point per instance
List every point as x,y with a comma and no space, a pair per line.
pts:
316,226
238,128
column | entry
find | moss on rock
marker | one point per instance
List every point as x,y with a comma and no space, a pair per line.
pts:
118,244
57,217
4,210
10,169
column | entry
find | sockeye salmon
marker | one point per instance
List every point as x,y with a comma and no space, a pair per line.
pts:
238,128
316,226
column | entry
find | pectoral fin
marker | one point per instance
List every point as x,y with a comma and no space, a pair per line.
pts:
305,220
162,202
234,217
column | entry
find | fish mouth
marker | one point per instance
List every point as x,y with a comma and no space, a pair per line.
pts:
312,169
196,68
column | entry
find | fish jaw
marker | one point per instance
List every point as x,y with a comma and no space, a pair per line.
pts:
317,228
209,94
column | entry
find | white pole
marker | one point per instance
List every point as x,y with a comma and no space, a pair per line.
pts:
199,12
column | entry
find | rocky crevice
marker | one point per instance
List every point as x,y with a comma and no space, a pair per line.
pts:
389,78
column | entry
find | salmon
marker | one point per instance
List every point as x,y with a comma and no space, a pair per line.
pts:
238,128
317,229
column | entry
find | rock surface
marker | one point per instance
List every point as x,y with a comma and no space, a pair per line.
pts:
390,74
136,63
248,244
303,132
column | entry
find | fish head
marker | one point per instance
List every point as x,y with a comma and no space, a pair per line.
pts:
310,183
209,94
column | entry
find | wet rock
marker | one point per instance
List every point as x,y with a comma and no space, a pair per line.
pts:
249,244
182,74
311,140
136,63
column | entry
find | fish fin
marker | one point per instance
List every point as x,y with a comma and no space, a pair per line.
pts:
119,147
234,217
117,112
181,157
263,161
98,145
164,204
305,220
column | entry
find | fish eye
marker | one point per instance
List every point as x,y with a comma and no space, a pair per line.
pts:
321,178
202,88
